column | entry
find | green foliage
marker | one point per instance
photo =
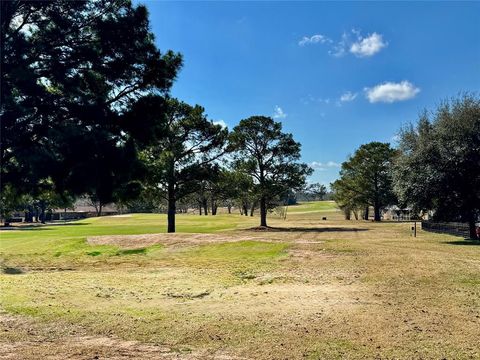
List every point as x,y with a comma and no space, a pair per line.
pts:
71,72
9,200
439,164
238,188
270,158
183,156
315,191
366,179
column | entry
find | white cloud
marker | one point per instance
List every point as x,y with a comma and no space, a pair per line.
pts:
338,49
353,42
333,164
320,166
348,96
314,39
278,113
220,122
390,92
367,46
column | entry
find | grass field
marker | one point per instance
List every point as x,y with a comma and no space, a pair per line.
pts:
308,288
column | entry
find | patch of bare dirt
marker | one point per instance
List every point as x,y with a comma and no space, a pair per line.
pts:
40,341
188,239
174,239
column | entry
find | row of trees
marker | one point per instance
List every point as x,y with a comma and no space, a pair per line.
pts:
435,169
260,162
86,111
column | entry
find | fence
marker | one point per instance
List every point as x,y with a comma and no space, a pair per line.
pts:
453,228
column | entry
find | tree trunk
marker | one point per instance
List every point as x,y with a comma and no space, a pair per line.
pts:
355,213
245,210
205,207
376,204
365,214
200,208
347,213
100,206
29,216
472,229
252,209
229,207
214,207
42,214
171,208
376,212
263,211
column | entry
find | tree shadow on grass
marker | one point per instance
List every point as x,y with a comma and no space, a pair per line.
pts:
141,251
39,226
308,229
12,271
23,228
464,242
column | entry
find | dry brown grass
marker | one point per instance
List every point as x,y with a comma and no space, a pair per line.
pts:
346,290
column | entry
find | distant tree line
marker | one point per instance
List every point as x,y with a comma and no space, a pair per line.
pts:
435,169
86,111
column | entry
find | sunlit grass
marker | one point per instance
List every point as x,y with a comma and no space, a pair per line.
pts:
316,289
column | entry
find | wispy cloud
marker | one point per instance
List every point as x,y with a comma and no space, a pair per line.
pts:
348,96
321,166
390,92
352,42
312,99
279,113
367,46
314,39
340,48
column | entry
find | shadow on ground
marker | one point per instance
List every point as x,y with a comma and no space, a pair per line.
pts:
464,242
12,271
46,226
308,229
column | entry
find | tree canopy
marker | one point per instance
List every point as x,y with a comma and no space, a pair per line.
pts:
438,168
71,71
184,155
270,157
366,179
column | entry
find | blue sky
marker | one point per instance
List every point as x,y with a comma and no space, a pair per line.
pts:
336,74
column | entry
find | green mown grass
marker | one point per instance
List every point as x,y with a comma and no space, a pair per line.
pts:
66,242
313,206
